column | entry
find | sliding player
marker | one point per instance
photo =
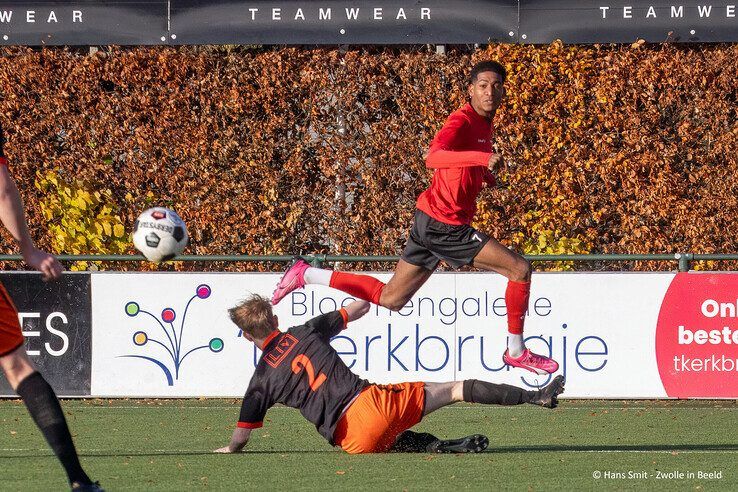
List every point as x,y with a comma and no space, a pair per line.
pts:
299,368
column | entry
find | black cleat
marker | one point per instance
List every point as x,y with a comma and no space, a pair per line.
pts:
87,487
413,442
548,395
470,444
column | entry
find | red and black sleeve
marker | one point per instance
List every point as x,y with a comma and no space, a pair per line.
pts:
329,324
253,408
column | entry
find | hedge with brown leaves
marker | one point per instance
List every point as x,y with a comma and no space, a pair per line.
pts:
613,149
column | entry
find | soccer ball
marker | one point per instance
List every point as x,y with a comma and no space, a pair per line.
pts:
160,234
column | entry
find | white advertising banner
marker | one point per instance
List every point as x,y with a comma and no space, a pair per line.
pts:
615,335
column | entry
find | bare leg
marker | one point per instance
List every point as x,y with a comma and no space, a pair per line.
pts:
438,395
497,258
405,282
16,366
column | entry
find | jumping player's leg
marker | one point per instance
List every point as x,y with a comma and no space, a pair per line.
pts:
493,256
405,282
42,404
415,267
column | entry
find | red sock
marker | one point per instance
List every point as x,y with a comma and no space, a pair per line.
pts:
516,298
360,286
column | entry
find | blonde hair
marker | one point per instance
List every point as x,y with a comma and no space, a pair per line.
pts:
254,316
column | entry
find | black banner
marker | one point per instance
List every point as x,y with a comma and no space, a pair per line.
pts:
344,22
602,21
294,22
56,318
90,22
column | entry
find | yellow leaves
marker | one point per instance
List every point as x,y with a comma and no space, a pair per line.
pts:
80,221
597,136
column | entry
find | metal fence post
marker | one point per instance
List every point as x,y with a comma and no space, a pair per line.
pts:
317,261
685,260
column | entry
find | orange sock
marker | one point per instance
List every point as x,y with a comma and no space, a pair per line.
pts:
516,298
360,286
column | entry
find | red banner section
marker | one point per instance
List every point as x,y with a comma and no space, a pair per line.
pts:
697,336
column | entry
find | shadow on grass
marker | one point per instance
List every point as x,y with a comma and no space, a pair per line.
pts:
498,450
148,454
618,448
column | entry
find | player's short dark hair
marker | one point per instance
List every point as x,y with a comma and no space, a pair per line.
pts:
487,66
253,316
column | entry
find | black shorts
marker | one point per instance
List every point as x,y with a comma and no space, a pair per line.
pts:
431,241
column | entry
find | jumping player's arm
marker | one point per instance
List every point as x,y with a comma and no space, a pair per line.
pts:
441,156
14,219
331,324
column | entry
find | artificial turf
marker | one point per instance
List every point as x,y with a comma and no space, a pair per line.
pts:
167,445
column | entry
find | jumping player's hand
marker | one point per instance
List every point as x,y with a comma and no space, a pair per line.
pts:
45,263
495,163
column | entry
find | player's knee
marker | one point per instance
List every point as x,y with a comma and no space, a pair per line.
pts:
16,368
392,301
523,270
393,305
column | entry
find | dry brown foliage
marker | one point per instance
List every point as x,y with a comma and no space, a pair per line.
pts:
630,149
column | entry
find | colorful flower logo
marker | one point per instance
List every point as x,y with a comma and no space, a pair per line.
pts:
173,342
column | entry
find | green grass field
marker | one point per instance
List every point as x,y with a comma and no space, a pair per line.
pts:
167,444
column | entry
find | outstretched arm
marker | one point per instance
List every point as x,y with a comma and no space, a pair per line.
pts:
238,441
447,159
441,154
331,324
356,310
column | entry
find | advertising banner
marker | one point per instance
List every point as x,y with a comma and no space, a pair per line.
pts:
344,22
55,319
84,22
170,334
615,335
576,21
334,22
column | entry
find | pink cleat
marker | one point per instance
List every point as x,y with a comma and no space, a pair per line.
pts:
532,362
292,279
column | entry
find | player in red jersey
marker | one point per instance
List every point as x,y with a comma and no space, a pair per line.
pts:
463,161
37,394
300,369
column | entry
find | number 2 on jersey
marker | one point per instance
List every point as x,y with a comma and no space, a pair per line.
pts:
301,362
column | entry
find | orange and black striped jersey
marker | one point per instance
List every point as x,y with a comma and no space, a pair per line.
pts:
300,369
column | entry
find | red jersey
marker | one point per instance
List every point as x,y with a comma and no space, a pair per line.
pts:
459,154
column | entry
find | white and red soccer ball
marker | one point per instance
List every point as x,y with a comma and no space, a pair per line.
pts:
160,234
